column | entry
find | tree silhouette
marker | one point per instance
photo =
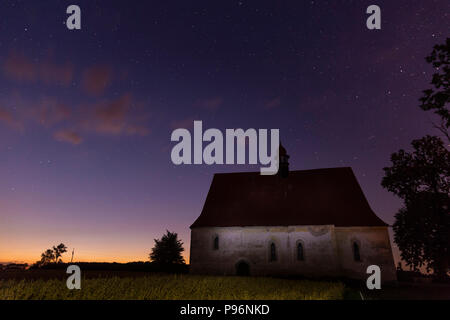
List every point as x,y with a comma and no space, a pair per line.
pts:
47,257
422,227
59,250
52,255
438,98
168,250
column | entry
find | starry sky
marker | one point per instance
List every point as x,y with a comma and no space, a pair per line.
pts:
86,115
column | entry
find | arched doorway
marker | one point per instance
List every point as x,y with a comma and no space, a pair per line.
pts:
242,269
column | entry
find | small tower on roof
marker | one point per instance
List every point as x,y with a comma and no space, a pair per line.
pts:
283,169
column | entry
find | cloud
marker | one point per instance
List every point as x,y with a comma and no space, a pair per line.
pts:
119,116
52,73
18,67
109,117
211,104
21,111
114,117
273,103
49,111
69,136
96,79
7,117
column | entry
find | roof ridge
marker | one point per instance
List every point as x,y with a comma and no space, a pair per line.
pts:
290,171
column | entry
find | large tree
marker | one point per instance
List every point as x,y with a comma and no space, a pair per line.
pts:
167,250
438,97
422,227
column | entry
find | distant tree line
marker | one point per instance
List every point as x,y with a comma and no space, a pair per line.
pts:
138,266
166,256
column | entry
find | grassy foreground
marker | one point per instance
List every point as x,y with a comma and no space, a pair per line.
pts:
174,287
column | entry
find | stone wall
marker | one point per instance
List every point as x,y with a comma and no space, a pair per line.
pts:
375,248
327,250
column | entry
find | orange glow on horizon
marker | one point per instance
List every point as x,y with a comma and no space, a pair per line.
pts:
30,259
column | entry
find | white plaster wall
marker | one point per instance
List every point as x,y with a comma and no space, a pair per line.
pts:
252,244
375,248
327,250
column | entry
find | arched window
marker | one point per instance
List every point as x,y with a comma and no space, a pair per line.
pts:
216,243
356,254
300,256
273,252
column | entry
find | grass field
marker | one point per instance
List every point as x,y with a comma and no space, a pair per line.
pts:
173,287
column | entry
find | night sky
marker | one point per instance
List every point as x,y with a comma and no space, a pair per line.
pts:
86,115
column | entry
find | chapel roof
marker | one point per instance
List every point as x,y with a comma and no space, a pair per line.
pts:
329,196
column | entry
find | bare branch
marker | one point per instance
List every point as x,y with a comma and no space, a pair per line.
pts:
443,129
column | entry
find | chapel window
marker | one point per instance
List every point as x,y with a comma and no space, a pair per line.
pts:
300,254
273,252
356,253
216,243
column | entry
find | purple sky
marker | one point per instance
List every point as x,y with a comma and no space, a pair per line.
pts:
86,116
